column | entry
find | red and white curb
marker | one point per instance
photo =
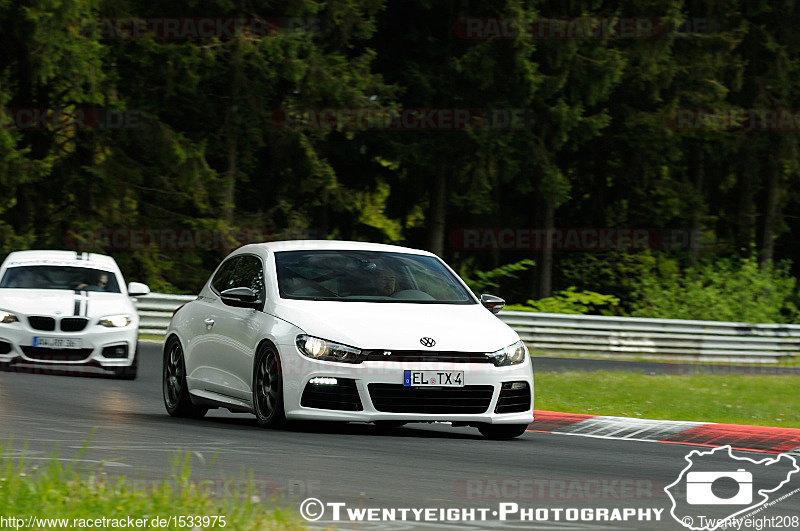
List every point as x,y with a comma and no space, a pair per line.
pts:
753,438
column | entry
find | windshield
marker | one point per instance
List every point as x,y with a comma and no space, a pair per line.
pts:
60,277
367,276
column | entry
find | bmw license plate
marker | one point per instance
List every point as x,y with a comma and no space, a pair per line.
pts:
56,342
433,378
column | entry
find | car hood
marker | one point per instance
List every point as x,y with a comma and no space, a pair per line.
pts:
62,302
400,326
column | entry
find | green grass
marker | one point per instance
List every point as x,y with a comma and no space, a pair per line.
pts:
734,399
783,361
151,337
66,490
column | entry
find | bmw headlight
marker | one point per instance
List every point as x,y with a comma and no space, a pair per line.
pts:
322,349
7,317
511,355
115,321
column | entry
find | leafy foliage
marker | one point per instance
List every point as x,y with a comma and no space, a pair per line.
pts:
571,301
721,290
487,280
599,146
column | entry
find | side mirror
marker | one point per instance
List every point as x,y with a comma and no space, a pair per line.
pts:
136,289
492,303
241,298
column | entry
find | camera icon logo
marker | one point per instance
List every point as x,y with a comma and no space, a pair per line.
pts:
700,487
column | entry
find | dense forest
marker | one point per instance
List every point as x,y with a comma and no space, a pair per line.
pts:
634,157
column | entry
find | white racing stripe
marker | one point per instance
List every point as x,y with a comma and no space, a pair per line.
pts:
628,428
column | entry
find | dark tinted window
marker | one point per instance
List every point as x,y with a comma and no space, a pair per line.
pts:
240,272
223,278
249,274
60,277
367,276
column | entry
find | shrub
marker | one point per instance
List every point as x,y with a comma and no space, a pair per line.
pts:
720,290
481,281
571,301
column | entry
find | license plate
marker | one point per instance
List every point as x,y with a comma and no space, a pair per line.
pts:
433,378
56,342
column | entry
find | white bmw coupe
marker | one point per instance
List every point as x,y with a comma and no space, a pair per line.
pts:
68,308
346,331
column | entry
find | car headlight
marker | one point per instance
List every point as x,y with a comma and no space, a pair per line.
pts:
115,321
321,349
511,355
7,317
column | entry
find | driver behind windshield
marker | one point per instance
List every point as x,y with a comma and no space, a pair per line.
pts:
98,284
386,283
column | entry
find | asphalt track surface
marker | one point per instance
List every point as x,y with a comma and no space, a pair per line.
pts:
124,425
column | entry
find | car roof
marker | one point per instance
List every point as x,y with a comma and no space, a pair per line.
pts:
69,258
330,245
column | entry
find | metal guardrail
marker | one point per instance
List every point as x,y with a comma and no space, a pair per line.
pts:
650,338
596,334
155,311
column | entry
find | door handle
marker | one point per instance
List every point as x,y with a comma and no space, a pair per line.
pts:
209,322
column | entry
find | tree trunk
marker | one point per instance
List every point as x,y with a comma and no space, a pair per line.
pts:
698,173
546,261
771,212
229,188
322,231
744,214
436,212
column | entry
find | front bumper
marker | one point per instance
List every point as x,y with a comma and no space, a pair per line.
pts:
98,345
375,384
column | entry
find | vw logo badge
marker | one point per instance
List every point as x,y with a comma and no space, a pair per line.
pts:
427,342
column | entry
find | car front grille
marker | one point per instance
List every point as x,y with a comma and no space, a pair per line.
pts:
395,398
514,400
423,356
55,354
40,322
73,324
341,396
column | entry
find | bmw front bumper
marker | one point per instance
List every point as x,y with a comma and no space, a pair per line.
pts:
94,345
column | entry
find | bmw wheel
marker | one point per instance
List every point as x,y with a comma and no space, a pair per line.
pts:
268,388
129,372
176,392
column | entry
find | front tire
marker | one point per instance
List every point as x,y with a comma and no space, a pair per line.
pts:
268,388
175,390
502,432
